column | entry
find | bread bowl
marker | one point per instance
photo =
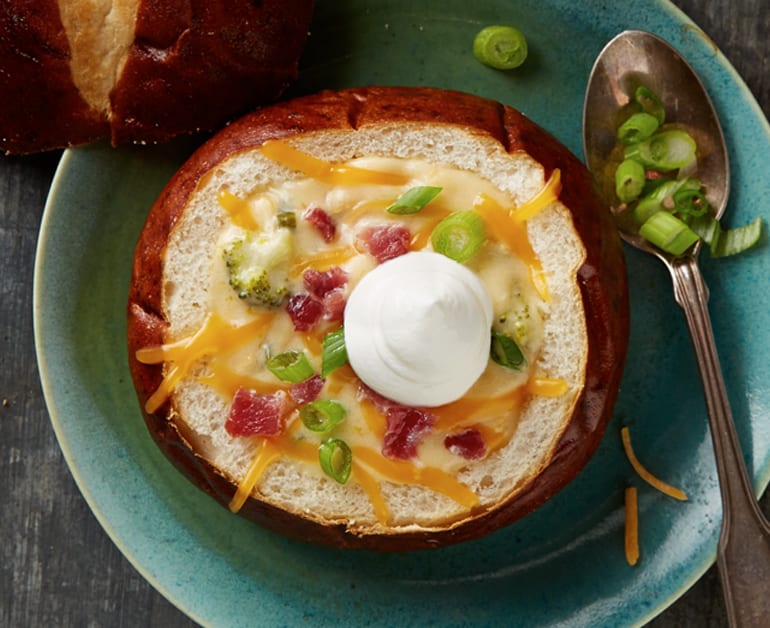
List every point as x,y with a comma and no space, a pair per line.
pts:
478,461
139,71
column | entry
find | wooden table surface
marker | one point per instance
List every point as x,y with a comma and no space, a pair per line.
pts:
57,566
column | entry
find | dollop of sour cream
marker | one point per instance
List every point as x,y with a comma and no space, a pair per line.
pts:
417,329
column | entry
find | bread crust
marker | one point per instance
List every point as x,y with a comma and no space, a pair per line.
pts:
193,66
601,280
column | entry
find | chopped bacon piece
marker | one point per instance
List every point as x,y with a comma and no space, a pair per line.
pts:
254,414
304,310
322,221
334,305
386,241
468,444
320,282
405,428
307,391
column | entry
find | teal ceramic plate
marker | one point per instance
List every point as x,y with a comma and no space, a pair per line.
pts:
565,562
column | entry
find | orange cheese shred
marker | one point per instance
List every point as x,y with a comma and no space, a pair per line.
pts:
324,171
268,451
547,195
547,386
238,210
372,489
405,472
643,473
513,235
631,526
216,336
322,260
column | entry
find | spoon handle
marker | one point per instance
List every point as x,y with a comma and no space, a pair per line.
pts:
743,553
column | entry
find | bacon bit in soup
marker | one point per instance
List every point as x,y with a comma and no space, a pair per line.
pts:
319,283
307,391
322,221
304,310
329,287
468,444
404,431
386,241
253,414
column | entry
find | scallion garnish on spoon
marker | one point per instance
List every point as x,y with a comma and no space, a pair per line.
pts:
670,208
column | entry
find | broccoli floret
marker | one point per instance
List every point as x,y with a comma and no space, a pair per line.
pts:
258,266
516,322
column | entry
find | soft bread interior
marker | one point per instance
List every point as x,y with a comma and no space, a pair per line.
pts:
100,34
287,484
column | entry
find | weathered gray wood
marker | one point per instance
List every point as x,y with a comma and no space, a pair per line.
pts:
57,566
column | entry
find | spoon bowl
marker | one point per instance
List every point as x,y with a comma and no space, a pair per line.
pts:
636,58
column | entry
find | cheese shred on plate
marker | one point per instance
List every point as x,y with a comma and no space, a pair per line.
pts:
643,473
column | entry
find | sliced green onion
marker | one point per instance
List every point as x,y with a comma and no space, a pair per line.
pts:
654,200
629,180
668,233
336,459
287,219
322,415
506,352
500,47
459,236
650,103
637,128
688,202
723,243
414,199
668,150
645,208
290,366
333,353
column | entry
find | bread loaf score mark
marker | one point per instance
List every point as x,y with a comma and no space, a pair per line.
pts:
100,34
491,408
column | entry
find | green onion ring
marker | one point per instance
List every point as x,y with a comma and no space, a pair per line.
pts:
637,128
650,103
336,459
668,233
290,366
500,47
459,236
629,180
322,415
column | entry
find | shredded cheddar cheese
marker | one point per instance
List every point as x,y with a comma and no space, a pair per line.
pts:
336,174
513,235
216,336
631,526
494,416
267,453
547,386
643,473
546,196
238,210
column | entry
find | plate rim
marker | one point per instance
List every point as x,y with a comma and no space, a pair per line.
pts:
52,403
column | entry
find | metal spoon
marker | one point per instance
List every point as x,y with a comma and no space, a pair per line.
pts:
630,59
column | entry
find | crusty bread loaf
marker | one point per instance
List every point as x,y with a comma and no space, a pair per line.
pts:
584,329
72,71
